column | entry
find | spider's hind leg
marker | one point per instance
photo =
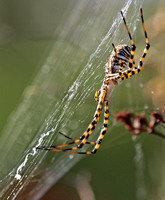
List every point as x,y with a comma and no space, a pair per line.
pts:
64,145
97,143
83,139
73,139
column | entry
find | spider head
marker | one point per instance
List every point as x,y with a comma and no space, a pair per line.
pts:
124,53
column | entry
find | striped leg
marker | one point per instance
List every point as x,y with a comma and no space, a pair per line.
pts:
73,139
129,72
97,93
104,129
64,145
97,143
147,45
93,124
85,136
136,70
132,43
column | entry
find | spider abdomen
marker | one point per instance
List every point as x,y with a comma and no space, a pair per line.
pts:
124,53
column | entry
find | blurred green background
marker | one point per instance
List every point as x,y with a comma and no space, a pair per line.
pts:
28,31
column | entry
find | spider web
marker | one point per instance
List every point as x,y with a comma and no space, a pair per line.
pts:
48,107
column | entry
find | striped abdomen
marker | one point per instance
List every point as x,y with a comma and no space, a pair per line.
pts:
124,53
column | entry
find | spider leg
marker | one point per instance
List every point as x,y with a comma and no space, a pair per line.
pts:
73,139
87,133
93,124
129,72
147,45
104,129
64,145
97,93
132,43
97,143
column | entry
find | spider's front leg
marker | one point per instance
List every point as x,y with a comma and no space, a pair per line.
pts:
147,45
133,47
130,72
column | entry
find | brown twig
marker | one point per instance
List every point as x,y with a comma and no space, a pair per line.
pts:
137,124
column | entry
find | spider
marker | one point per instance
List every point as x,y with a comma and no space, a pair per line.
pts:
120,66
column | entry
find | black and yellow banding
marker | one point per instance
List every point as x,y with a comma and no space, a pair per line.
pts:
97,143
67,144
104,129
93,124
123,56
132,43
147,45
121,64
136,70
73,139
132,71
85,136
97,93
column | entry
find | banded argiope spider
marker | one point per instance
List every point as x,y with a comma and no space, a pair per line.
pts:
120,66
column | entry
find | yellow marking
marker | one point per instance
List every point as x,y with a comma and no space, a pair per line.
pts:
129,75
85,134
106,114
96,95
84,141
78,140
144,27
106,121
99,107
102,98
55,149
90,126
97,146
101,137
105,128
133,53
74,148
62,145
147,41
90,132
92,143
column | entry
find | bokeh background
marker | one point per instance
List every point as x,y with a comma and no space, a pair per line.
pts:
28,31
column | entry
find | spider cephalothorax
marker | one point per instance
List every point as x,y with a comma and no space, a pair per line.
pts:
120,66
